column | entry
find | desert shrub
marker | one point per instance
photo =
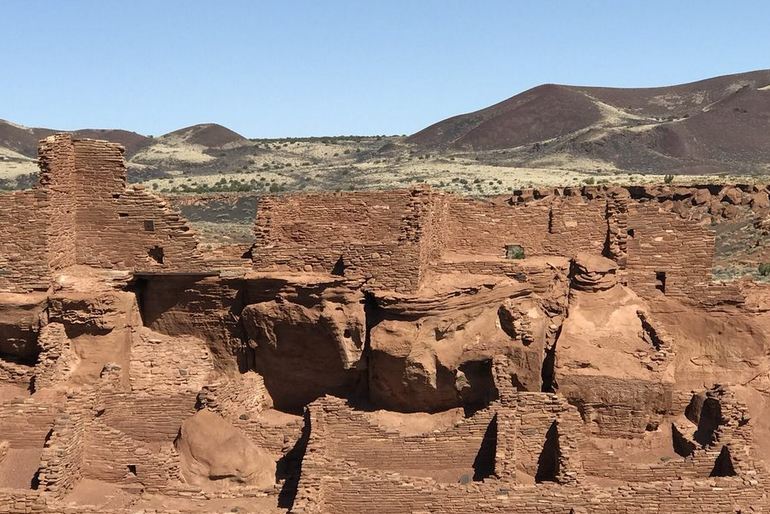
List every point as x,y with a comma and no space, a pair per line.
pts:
764,269
668,179
514,252
589,181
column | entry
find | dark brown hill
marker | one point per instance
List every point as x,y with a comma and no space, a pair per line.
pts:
21,139
210,135
24,140
131,141
710,125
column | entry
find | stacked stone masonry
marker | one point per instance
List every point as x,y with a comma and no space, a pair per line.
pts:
394,239
82,212
99,379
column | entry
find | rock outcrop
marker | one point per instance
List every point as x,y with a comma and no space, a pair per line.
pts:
216,455
593,273
435,353
386,352
307,339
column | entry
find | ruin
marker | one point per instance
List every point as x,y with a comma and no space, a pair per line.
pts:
396,351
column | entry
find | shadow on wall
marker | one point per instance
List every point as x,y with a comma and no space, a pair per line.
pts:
723,466
479,387
548,462
289,467
484,463
709,420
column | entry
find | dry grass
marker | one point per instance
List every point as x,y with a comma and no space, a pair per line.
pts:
368,163
172,150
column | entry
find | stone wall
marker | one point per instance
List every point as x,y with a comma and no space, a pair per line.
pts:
24,262
118,226
19,501
543,419
25,423
62,460
394,238
667,253
561,226
58,176
82,213
57,359
367,445
358,235
130,439
160,363
340,479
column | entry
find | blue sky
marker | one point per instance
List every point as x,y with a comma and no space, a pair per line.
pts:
297,68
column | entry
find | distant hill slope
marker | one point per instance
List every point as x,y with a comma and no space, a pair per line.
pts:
210,135
709,125
21,139
24,140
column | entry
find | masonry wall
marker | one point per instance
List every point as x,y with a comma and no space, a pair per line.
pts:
372,447
83,213
377,235
393,238
58,177
663,242
560,226
331,481
534,417
118,226
62,460
16,500
130,441
25,423
57,359
160,363
24,263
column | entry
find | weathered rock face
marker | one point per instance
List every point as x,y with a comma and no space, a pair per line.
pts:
613,360
20,321
435,354
86,313
205,307
307,341
506,371
216,455
593,273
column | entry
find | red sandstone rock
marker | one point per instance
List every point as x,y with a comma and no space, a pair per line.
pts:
575,338
760,200
593,273
701,197
214,454
308,341
732,195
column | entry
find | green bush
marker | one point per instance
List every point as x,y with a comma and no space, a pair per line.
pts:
514,252
764,269
668,179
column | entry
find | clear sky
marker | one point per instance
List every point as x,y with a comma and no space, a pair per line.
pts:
330,67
